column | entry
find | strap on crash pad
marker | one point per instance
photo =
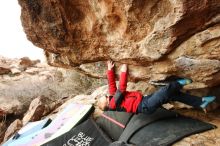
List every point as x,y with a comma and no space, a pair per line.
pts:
114,121
140,120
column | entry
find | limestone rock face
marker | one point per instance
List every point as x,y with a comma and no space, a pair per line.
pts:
157,38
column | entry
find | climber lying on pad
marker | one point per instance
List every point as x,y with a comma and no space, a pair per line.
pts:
135,102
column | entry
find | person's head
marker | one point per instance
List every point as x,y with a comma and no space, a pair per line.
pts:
103,102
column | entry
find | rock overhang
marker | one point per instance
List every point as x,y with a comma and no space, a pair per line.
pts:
157,39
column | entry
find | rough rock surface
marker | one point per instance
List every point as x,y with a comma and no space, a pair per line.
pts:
38,108
157,38
53,88
14,127
33,79
45,86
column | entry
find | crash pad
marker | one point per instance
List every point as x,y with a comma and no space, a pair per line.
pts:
85,134
167,131
65,120
28,129
138,121
163,127
113,123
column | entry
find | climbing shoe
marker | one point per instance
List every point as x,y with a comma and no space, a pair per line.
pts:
184,81
206,100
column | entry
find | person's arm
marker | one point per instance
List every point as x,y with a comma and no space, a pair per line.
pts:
119,96
123,78
111,78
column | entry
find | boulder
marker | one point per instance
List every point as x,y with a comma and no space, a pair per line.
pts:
158,39
4,70
11,105
38,108
14,127
25,62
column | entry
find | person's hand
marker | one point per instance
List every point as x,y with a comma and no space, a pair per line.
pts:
124,68
110,65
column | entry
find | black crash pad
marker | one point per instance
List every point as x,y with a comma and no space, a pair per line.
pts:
112,129
167,131
140,120
86,133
